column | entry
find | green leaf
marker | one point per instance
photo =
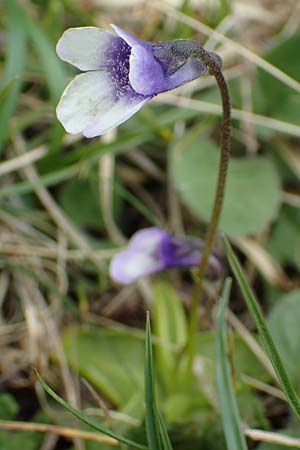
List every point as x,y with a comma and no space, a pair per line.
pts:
29,440
110,360
244,360
252,191
9,408
263,331
235,438
170,326
284,321
284,243
85,419
151,419
271,96
80,200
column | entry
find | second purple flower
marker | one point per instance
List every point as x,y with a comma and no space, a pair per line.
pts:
152,250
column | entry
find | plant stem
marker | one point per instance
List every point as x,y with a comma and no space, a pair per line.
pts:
225,145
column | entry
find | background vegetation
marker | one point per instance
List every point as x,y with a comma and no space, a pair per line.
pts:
67,204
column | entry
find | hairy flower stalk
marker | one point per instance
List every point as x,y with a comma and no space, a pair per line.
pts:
225,143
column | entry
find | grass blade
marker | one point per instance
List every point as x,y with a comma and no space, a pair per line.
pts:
152,426
165,440
53,68
87,420
263,331
234,436
14,69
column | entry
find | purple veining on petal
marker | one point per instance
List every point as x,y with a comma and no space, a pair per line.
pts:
117,63
117,66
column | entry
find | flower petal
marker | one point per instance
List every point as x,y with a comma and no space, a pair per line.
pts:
121,109
146,75
130,265
85,47
141,257
147,240
131,40
88,95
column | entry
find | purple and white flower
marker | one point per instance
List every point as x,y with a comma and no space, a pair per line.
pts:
121,74
153,250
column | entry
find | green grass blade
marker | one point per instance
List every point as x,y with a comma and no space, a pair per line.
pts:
234,436
15,65
5,92
53,68
165,440
152,427
86,419
263,331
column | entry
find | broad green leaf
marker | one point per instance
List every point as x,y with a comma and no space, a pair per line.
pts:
81,203
9,407
284,242
16,440
170,326
244,360
86,420
235,438
184,407
284,323
272,97
111,361
264,332
252,192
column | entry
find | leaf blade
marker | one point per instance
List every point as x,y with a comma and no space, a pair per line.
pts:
83,418
263,331
152,429
229,410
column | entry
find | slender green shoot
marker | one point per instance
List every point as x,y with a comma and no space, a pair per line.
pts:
263,331
83,418
234,435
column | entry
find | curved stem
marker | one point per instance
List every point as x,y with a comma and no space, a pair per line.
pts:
218,202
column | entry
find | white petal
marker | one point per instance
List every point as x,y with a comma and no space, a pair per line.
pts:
126,267
84,99
147,240
122,109
84,47
131,40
